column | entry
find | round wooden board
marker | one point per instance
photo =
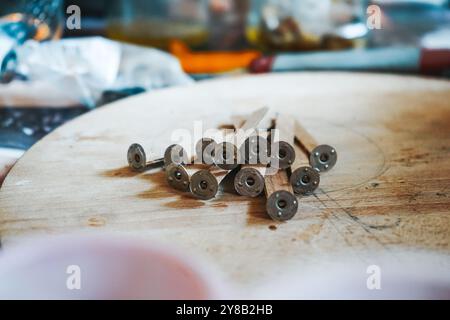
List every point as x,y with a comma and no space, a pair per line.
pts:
389,193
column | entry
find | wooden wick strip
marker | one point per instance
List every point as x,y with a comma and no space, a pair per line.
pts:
304,138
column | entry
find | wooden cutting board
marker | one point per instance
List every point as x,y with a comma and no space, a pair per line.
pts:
389,192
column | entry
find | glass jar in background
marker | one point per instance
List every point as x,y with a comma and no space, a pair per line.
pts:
227,24
156,22
298,25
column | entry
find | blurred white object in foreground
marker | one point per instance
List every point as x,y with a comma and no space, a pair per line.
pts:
103,268
417,274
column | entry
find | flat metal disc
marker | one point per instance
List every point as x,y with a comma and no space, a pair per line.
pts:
204,149
136,157
226,156
255,150
204,185
249,182
177,177
282,155
323,158
282,205
305,180
175,154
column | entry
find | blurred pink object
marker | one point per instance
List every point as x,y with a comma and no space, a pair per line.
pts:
104,268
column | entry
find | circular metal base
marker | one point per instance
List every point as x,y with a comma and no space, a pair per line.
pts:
282,155
204,185
204,150
255,150
136,157
249,182
305,180
282,205
323,158
175,154
226,156
177,177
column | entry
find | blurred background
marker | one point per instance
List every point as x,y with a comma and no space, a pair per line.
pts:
270,25
59,59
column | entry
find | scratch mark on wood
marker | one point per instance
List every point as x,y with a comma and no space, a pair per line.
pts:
352,218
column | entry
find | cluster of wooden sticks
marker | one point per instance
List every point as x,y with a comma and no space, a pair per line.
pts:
280,165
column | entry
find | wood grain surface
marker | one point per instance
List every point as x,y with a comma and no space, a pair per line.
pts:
388,194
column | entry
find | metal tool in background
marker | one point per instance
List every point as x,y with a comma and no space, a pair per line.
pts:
282,152
282,204
389,59
322,157
304,179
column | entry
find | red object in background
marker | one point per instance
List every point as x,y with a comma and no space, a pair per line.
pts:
434,61
262,65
